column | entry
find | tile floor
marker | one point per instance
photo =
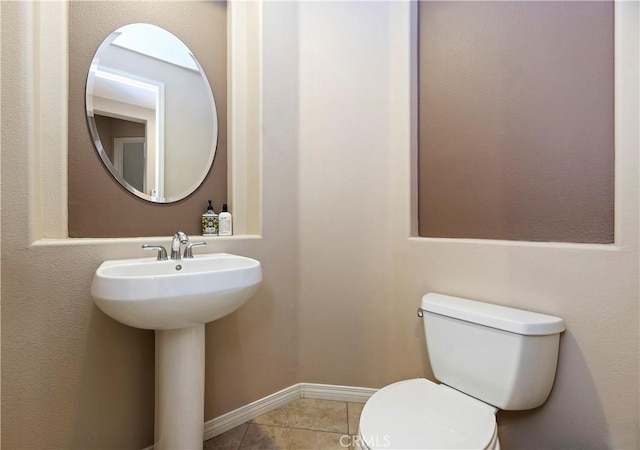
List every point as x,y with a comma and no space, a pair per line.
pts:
302,424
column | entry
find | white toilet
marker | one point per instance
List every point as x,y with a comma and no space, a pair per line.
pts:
488,357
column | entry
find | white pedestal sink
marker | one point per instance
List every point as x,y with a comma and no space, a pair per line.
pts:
176,298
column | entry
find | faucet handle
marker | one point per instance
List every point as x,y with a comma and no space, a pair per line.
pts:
162,252
188,251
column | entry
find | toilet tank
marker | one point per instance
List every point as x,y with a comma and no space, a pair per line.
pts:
503,356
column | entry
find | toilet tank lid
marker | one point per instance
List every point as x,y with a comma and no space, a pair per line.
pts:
495,316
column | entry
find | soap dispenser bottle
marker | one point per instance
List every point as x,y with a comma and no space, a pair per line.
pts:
225,222
210,222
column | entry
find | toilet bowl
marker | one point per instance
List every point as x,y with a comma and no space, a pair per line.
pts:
488,357
420,414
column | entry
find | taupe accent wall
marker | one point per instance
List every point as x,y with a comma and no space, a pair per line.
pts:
97,203
516,137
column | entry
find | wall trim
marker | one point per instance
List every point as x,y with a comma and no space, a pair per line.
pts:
244,115
232,419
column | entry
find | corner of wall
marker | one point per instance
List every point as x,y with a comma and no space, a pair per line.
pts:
245,121
48,162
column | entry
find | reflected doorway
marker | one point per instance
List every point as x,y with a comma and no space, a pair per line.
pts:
130,160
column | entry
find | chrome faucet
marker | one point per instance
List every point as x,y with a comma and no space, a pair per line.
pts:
178,239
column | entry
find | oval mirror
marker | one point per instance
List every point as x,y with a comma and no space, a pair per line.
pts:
151,113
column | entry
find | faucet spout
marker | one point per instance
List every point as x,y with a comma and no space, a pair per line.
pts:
178,239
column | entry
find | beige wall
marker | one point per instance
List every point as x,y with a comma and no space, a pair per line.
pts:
73,377
96,201
342,278
362,277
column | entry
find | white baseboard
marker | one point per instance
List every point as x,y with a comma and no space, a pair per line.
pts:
232,419
336,392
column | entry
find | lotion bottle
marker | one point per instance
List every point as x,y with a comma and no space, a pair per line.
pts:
225,221
210,222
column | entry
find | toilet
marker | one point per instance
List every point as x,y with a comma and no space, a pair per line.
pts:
487,357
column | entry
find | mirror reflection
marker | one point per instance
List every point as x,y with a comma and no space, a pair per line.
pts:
151,113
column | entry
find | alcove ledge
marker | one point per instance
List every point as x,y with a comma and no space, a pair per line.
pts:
52,242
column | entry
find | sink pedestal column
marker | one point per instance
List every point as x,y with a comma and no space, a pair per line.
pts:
179,409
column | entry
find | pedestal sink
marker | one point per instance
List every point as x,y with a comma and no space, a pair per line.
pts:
176,298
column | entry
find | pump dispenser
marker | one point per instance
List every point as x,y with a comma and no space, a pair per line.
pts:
210,222
226,222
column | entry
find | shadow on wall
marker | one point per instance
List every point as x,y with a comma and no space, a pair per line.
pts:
419,333
251,353
115,387
573,418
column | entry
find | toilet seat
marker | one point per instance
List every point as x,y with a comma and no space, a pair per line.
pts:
420,414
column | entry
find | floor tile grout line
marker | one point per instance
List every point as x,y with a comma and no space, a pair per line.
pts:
251,422
243,435
345,403
299,428
346,408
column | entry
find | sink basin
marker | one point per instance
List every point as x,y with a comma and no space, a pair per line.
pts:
164,295
176,298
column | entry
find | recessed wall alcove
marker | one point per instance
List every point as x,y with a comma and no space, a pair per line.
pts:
60,208
516,123
98,204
